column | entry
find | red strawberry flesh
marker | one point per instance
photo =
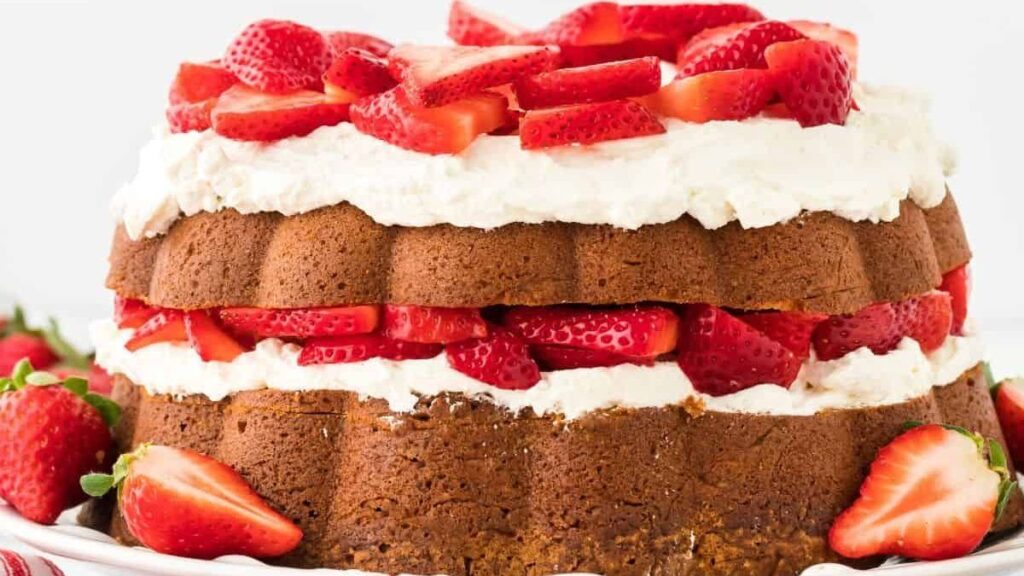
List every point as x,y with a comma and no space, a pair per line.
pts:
587,124
721,354
437,75
594,23
278,56
432,325
164,326
20,346
958,285
301,322
740,47
565,358
636,332
682,21
1009,400
129,313
348,349
338,42
791,329
470,26
724,95
813,79
501,359
597,83
209,340
198,82
926,318
359,72
843,39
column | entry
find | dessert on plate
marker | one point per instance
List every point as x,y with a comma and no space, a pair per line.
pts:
644,291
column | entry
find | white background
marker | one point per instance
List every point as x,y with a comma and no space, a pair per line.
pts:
82,82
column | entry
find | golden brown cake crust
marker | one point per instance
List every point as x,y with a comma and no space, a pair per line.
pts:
819,262
462,487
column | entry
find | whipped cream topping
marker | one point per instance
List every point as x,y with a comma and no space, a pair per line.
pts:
857,380
759,171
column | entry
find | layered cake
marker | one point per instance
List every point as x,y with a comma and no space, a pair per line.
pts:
640,292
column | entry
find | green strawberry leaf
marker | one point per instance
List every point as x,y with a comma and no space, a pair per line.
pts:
911,424
107,408
79,386
97,485
17,323
41,379
21,371
1006,490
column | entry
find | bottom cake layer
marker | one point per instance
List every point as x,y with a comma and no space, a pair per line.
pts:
461,487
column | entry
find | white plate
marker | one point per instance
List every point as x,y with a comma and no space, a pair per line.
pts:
67,540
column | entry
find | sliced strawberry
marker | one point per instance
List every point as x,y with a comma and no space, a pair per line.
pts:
777,110
471,26
575,56
706,40
164,326
725,95
301,322
597,83
876,327
446,129
587,124
209,340
21,346
278,56
813,79
926,318
433,325
502,360
129,313
347,349
791,329
637,331
242,113
931,494
594,23
198,82
436,75
721,354
958,285
1009,399
843,39
359,72
183,503
682,21
737,47
565,358
338,42
189,117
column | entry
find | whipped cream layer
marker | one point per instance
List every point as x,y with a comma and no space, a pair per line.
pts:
857,380
759,171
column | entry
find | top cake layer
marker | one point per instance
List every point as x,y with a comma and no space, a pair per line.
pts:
759,172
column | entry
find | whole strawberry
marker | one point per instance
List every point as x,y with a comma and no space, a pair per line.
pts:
53,433
44,348
184,503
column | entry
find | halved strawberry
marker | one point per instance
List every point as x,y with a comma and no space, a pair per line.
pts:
209,340
575,56
875,327
791,329
358,73
165,326
198,82
129,313
958,285
931,494
565,358
278,56
448,129
338,42
432,325
437,75
501,359
735,47
926,318
843,39
721,354
301,322
347,349
682,21
587,124
590,24
183,503
242,113
190,117
813,79
471,26
597,83
1009,400
724,95
636,331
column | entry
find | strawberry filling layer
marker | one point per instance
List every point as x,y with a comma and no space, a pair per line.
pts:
719,352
